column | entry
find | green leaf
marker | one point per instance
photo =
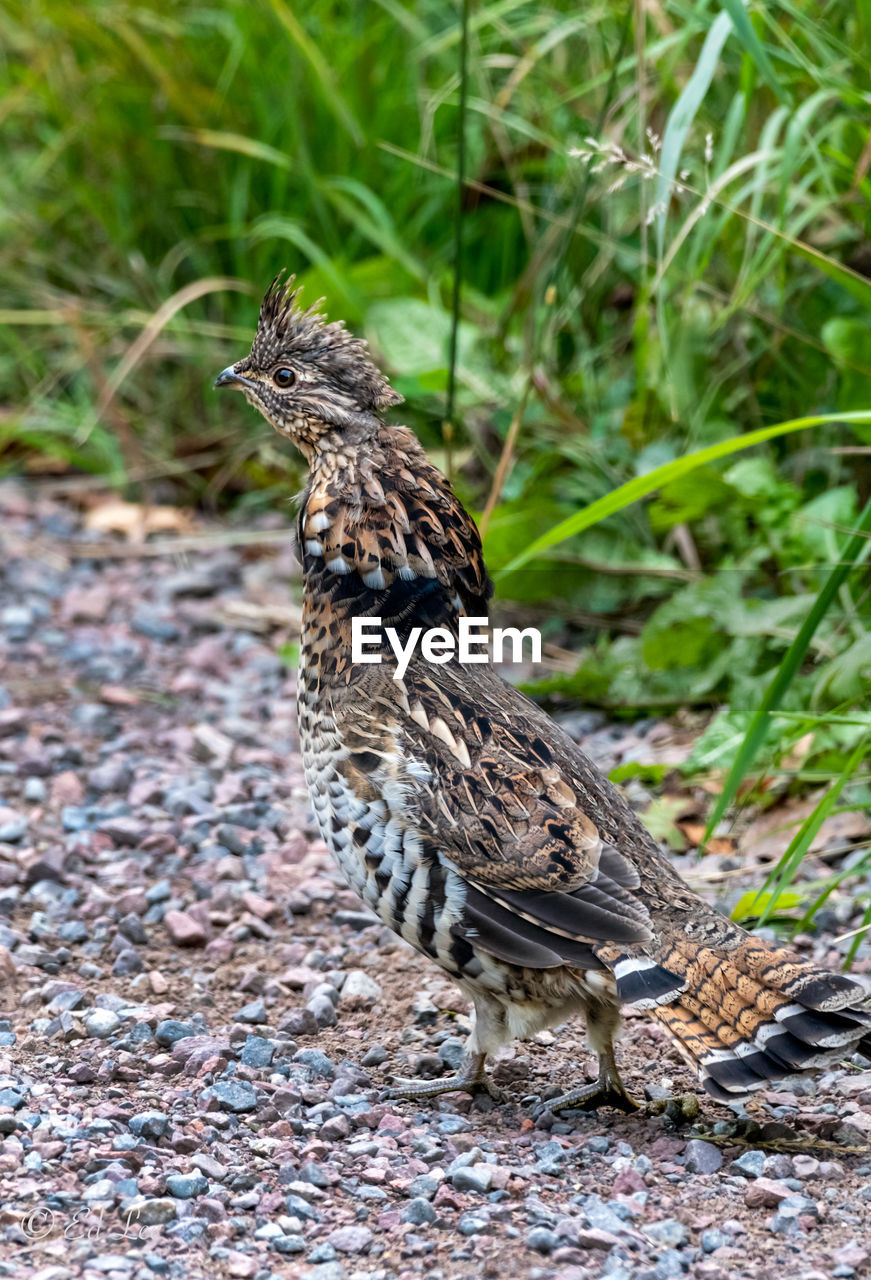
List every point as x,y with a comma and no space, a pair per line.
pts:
751,905
659,819
652,773
289,654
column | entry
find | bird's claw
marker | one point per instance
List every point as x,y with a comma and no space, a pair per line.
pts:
409,1090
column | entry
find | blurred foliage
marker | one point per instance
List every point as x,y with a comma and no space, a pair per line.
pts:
666,244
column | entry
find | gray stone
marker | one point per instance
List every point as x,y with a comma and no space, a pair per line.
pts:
73,931
418,1211
128,961
359,991
299,1022
64,1002
184,1186
146,623
702,1157
713,1239
425,1184
100,1023
35,790
208,1165
472,1178
132,929
233,1095
287,1244
17,621
323,1010
471,1224
326,1271
317,1062
171,1030
112,775
355,919
451,1051
600,1143
751,1164
351,1239
669,1263
257,1051
314,1173
543,1240
149,1124
95,719
13,827
254,1012
102,1189
321,1253
670,1233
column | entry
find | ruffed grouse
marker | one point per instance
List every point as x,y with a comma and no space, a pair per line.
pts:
459,811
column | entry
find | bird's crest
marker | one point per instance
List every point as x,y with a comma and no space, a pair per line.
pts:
287,329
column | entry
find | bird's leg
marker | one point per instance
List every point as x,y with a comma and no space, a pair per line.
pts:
602,1023
471,1078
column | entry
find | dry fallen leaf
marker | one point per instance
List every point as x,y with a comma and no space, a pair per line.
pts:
119,696
135,520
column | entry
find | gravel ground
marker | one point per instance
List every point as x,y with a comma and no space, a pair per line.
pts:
198,1020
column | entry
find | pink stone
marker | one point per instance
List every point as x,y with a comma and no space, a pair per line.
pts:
67,788
184,929
765,1193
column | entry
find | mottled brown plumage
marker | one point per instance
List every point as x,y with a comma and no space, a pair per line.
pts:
457,809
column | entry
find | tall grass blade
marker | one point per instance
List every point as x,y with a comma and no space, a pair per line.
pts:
682,115
782,875
788,669
450,408
332,94
223,141
643,486
747,35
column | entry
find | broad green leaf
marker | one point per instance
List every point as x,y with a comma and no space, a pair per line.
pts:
751,905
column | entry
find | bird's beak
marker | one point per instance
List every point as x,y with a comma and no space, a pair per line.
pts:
230,378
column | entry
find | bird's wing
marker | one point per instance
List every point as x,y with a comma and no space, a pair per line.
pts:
504,809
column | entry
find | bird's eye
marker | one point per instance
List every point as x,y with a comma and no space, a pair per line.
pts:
284,377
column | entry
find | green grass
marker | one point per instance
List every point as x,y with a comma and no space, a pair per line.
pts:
664,244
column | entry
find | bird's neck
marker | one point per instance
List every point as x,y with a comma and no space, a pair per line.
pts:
382,535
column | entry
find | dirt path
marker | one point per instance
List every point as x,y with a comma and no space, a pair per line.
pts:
197,1020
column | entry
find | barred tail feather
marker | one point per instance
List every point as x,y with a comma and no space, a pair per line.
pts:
755,1014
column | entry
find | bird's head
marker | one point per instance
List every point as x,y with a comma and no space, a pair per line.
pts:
309,378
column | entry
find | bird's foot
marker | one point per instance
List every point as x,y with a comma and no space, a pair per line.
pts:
589,1097
471,1078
